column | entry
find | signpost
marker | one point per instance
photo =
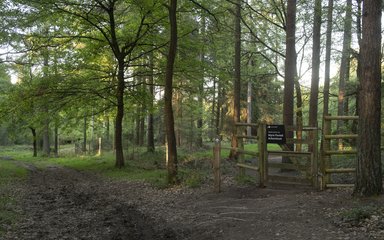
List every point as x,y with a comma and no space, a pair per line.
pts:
276,134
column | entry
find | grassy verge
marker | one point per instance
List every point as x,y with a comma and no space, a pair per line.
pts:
10,173
194,164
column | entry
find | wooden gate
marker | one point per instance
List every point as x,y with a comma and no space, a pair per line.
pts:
301,153
337,165
297,161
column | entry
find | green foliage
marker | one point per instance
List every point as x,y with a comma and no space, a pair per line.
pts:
358,214
10,173
245,179
8,214
192,178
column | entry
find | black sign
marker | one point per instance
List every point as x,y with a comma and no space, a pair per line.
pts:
276,134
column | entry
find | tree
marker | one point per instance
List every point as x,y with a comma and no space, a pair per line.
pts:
169,118
105,18
290,63
150,127
328,45
313,105
344,67
369,180
236,77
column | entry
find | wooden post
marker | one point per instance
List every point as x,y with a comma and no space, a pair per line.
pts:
240,146
261,142
216,165
325,159
315,159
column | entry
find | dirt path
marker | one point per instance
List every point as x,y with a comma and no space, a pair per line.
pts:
60,203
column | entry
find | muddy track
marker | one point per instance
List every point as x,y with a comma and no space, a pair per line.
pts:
60,203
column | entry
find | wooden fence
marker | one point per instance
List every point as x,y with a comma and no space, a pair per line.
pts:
303,160
327,166
314,171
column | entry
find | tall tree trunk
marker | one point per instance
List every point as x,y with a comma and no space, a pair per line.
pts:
107,129
84,147
169,119
46,142
213,110
142,126
179,117
150,127
290,65
56,147
138,124
46,120
236,79
299,113
199,141
92,142
218,109
249,107
369,180
313,104
328,46
119,115
358,68
344,67
34,141
325,144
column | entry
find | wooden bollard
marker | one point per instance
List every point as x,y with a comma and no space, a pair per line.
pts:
216,165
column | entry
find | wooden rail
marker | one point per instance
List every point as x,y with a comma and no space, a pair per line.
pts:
340,136
248,166
340,170
327,152
341,117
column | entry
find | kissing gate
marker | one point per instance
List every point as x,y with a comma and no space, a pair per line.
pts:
294,161
294,156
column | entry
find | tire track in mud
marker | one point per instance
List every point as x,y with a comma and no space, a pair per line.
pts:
61,203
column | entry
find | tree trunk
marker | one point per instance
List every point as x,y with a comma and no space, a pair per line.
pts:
358,68
142,126
325,144
249,108
313,104
169,119
369,180
179,117
236,79
84,149
344,68
138,124
218,110
213,110
328,46
150,128
107,129
34,141
119,115
199,141
299,114
56,148
290,65
46,142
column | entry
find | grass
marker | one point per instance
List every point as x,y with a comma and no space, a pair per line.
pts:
194,164
358,214
9,173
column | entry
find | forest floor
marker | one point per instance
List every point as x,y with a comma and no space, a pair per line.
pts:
62,203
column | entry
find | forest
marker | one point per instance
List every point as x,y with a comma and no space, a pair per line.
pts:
115,75
152,84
